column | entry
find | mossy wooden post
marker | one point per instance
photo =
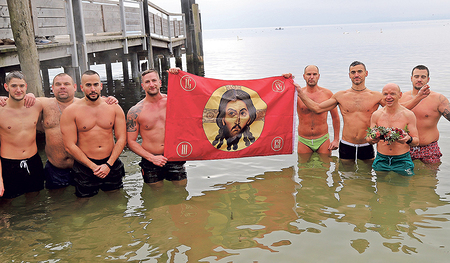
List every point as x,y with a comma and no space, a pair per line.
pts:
194,42
22,28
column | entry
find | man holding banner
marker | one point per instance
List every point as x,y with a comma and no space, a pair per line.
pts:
151,126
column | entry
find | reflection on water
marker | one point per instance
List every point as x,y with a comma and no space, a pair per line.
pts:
287,208
274,214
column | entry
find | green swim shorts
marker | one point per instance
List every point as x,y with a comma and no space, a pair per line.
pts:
401,164
314,144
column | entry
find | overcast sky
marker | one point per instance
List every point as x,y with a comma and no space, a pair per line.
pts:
218,14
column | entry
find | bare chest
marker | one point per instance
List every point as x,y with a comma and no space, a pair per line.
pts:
16,121
150,119
51,117
88,118
356,103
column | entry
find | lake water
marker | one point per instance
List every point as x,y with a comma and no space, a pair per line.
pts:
265,209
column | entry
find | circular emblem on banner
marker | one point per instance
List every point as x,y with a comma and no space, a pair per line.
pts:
277,144
233,118
187,83
278,86
184,149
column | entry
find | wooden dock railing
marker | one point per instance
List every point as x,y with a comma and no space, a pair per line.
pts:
51,18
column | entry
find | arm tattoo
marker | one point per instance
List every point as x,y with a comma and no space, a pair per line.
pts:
446,114
132,116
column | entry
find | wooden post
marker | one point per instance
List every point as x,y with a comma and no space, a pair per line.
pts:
134,66
194,42
22,27
178,60
165,66
46,79
80,35
148,36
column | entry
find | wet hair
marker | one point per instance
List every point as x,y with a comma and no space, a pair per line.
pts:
356,63
61,75
421,67
148,71
224,133
311,66
14,75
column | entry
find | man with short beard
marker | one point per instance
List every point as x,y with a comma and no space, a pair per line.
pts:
21,170
428,113
236,114
58,168
148,118
88,127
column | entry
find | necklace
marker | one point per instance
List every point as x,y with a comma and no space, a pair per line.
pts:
60,111
359,89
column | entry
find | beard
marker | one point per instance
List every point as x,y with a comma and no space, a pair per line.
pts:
92,99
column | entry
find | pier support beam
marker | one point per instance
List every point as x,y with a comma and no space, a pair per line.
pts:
46,79
194,39
22,27
80,36
134,66
178,60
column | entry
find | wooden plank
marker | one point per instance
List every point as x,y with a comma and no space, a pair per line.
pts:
5,23
111,16
49,3
164,27
4,11
5,33
51,12
53,31
92,18
3,2
51,22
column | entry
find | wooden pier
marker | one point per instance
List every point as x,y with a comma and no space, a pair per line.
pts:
84,33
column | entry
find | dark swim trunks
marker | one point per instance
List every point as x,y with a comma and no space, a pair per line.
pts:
22,176
56,178
430,153
87,184
401,164
172,171
350,151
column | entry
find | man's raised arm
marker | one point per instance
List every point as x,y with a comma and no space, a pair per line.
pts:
324,106
422,94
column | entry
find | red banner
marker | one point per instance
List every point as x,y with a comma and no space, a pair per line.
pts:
218,119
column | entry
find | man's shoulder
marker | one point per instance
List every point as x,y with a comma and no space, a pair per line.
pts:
137,108
325,91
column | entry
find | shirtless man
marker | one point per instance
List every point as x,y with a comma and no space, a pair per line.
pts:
394,156
88,127
148,118
58,168
313,128
21,166
356,105
428,113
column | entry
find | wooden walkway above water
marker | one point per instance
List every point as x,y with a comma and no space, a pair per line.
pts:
98,31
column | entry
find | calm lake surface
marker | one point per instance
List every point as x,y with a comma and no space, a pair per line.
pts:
285,208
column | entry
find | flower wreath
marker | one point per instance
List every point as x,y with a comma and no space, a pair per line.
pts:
388,134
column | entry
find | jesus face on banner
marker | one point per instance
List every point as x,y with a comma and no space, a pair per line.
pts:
234,115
